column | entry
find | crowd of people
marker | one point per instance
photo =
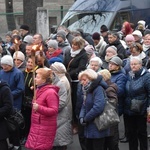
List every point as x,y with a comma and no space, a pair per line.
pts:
58,85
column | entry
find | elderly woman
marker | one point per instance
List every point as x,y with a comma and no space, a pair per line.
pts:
136,50
93,105
75,61
44,112
135,105
95,64
64,128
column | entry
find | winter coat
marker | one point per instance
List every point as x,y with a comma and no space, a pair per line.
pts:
44,120
15,80
119,77
64,134
137,87
6,100
77,64
92,107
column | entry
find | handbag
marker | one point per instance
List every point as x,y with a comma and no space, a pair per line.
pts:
136,105
109,116
14,121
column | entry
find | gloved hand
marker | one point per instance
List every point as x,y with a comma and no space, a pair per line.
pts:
82,122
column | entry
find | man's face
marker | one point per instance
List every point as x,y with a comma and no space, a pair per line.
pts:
28,50
36,39
111,38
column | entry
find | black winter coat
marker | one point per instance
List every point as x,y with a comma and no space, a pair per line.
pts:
5,108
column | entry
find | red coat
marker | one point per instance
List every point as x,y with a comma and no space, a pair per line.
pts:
44,120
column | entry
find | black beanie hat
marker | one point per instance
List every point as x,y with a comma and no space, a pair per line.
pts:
24,27
104,28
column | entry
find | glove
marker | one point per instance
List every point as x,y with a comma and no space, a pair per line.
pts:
82,122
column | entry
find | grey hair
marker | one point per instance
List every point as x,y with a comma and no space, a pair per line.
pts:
97,59
91,74
136,58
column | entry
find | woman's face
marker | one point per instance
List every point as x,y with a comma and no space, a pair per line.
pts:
135,65
84,80
17,62
75,47
30,64
147,39
39,80
134,52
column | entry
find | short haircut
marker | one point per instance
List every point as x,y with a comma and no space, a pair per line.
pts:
96,59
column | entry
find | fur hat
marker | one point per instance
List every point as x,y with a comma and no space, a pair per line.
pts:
58,67
53,44
7,60
28,39
116,60
62,34
142,22
129,37
96,36
24,27
105,74
138,33
19,55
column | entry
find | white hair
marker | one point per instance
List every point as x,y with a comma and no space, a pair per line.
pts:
136,58
97,59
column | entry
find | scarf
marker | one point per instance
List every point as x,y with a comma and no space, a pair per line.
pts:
85,90
145,47
74,53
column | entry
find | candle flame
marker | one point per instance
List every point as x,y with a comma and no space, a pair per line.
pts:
41,48
34,47
16,41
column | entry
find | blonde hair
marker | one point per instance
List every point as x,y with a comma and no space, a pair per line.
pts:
79,41
45,73
91,74
105,74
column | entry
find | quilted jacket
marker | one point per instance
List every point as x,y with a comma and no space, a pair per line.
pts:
44,120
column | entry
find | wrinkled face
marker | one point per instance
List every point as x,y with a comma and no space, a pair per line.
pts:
109,53
137,38
135,65
113,67
147,39
39,80
111,38
84,80
6,68
129,43
28,50
29,64
17,62
94,65
36,39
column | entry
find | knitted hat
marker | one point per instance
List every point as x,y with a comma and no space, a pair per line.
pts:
53,44
24,27
116,60
58,67
89,49
7,60
62,34
138,33
54,59
104,28
96,36
105,74
19,55
112,49
28,39
129,37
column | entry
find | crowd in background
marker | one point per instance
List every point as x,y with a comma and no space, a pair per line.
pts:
58,84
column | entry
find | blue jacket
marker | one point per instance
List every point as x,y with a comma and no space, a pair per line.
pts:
92,108
120,79
15,80
137,87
